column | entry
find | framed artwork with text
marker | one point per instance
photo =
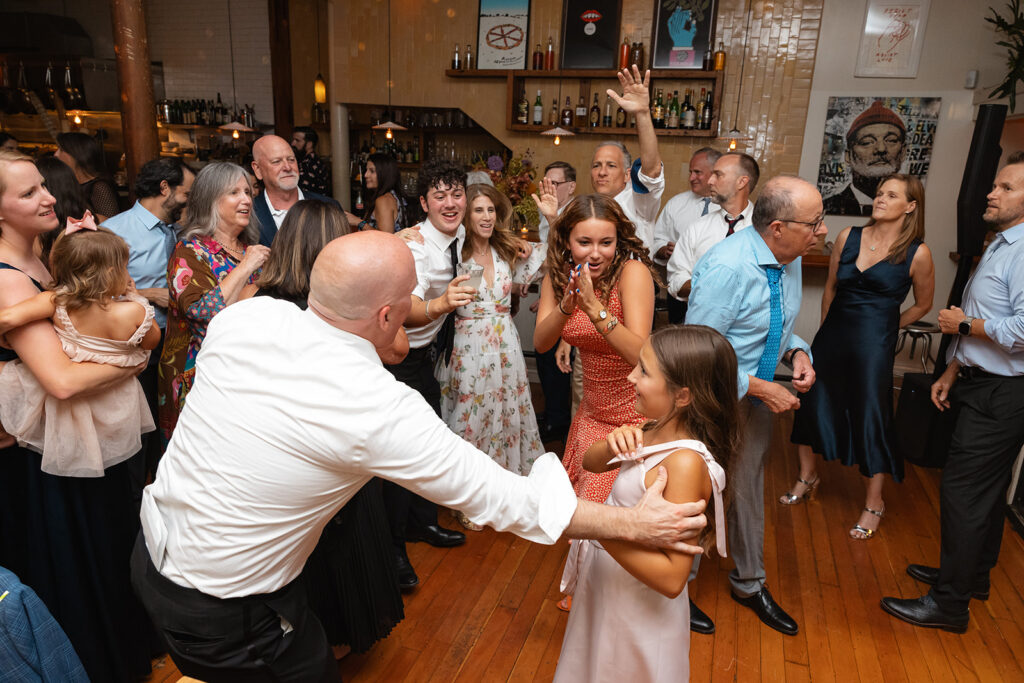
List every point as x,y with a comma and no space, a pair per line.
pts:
501,34
892,39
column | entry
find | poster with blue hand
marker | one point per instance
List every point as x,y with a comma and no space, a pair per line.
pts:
683,30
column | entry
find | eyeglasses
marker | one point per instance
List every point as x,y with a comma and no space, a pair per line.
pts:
813,225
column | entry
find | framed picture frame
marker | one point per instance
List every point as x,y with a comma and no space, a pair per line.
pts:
590,34
502,40
682,32
892,38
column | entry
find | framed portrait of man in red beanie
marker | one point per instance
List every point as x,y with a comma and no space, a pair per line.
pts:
869,138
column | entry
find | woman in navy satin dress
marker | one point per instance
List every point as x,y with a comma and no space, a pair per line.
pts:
847,414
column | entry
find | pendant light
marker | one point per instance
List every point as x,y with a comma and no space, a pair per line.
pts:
734,134
389,125
319,84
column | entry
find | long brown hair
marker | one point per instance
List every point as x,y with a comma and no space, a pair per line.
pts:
85,266
502,239
307,227
699,358
913,222
627,244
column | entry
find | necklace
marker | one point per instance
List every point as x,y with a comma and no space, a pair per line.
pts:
238,252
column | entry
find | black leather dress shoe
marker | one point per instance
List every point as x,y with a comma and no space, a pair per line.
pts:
768,612
407,579
437,536
930,576
924,611
700,622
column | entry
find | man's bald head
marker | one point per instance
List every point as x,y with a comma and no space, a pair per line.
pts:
356,275
273,162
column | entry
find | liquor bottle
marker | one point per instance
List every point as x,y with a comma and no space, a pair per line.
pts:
415,153
624,54
456,60
566,117
672,120
218,112
581,113
549,56
658,111
640,61
707,114
689,113
359,199
709,60
538,111
49,94
595,113
553,114
607,120
469,57
700,106
720,57
634,53
538,59
620,117
523,110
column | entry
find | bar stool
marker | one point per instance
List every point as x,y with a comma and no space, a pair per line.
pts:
919,331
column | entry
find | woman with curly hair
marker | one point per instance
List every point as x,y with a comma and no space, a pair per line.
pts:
598,295
485,393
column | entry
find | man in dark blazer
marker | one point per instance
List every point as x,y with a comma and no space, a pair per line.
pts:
274,164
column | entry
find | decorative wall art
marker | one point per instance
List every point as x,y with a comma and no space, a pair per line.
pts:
501,34
868,138
893,35
590,34
683,30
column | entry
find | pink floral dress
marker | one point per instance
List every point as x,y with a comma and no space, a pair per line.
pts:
485,393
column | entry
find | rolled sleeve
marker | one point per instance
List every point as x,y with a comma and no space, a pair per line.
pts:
1007,333
419,255
647,192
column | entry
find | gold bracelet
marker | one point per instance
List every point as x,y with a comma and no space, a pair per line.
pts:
612,324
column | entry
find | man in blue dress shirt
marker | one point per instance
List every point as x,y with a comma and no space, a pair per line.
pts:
986,376
162,188
748,288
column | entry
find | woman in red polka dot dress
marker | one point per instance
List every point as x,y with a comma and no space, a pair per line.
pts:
598,295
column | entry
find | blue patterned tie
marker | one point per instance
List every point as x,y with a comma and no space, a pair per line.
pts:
770,355
707,201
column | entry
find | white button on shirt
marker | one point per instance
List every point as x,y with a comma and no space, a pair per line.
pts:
695,241
642,207
433,273
679,213
279,431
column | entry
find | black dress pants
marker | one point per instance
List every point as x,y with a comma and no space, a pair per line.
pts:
406,509
235,640
988,435
557,389
144,466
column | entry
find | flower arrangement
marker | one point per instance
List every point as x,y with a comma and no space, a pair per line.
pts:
515,179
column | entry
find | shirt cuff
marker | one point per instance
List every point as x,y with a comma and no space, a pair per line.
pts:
1006,333
557,499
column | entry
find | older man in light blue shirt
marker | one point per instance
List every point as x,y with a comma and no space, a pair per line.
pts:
748,288
986,378
162,188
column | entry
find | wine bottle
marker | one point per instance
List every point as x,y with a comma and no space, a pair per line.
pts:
689,113
595,113
538,111
549,56
672,120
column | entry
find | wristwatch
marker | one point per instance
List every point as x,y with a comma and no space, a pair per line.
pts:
965,327
602,315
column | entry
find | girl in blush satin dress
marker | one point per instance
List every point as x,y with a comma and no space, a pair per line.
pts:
630,619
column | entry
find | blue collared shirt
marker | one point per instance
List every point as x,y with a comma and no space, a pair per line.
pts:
995,293
149,249
730,293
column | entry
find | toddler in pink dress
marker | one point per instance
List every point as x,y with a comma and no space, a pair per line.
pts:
83,435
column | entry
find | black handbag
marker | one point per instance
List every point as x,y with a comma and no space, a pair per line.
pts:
922,433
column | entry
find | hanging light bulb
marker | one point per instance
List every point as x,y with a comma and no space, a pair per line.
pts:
235,134
558,139
388,134
77,120
320,90
557,132
732,144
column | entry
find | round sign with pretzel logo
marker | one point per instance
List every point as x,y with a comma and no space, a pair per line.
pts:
505,36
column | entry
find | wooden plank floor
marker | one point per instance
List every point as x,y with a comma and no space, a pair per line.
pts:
486,611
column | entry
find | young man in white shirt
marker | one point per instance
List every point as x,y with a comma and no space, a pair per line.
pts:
681,211
252,475
732,181
442,189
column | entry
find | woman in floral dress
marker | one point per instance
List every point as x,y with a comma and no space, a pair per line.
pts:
485,393
218,255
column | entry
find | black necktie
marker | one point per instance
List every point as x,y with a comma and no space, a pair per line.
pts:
446,337
732,224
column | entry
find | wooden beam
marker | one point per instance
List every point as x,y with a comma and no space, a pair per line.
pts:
281,68
134,77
